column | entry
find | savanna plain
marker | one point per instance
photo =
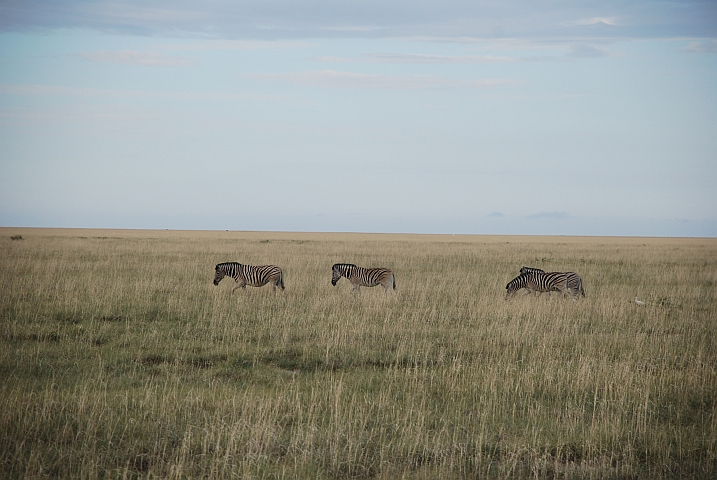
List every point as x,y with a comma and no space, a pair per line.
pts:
120,359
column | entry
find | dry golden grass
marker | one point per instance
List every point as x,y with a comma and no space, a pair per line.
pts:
119,358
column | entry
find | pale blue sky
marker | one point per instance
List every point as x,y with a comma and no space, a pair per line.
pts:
571,118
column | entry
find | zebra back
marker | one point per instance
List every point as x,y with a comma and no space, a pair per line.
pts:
363,277
535,281
256,276
573,284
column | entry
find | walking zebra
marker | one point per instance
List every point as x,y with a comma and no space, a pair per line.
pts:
538,282
573,284
363,277
249,275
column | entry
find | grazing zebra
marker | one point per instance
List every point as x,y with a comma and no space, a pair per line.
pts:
249,275
573,285
538,282
363,277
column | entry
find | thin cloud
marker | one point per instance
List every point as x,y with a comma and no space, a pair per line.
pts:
418,58
708,46
350,80
142,59
354,29
129,13
240,45
586,51
408,58
28,89
550,215
612,21
331,59
576,51
282,19
552,49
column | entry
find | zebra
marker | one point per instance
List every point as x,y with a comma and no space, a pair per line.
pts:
363,277
256,276
573,285
538,282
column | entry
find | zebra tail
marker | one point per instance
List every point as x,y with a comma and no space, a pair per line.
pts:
281,280
394,280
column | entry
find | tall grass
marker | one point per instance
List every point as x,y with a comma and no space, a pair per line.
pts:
119,358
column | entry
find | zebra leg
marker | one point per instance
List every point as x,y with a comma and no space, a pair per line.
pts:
279,283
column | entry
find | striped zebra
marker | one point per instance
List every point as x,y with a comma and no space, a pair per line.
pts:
363,277
256,276
573,285
536,282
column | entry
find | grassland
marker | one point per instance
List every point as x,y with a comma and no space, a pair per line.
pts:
119,358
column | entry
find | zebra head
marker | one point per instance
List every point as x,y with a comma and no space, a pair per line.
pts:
335,274
219,273
516,284
339,270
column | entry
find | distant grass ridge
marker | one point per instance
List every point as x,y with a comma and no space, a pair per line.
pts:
119,358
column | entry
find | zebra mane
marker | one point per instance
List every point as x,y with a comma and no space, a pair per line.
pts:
225,264
531,269
343,265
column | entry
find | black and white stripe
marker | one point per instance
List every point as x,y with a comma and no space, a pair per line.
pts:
538,282
255,276
573,284
363,277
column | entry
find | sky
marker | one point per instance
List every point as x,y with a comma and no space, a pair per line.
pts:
544,117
